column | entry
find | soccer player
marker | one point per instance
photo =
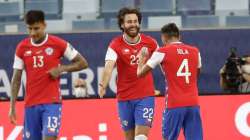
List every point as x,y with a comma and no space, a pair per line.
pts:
181,64
135,95
39,55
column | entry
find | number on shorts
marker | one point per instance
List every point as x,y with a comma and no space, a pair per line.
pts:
52,122
148,113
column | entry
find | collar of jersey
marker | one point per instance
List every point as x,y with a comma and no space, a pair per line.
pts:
177,42
40,44
123,36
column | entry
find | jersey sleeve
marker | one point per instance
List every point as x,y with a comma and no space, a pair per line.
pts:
18,59
70,52
199,60
155,59
111,52
111,55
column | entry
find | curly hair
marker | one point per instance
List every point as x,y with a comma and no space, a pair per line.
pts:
124,11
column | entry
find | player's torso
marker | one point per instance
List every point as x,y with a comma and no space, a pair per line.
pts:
127,62
127,56
38,60
180,66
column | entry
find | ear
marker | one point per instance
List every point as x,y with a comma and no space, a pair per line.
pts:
45,24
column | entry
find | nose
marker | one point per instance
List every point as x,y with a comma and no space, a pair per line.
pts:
32,33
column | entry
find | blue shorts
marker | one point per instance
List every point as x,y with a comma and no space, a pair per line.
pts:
187,118
136,112
41,120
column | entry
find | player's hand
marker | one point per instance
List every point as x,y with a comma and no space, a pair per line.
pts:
12,116
55,72
102,91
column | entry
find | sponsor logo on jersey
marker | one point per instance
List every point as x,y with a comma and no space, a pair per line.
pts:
49,51
38,52
125,51
28,53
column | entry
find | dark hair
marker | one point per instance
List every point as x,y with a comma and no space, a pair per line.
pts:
34,16
171,30
124,11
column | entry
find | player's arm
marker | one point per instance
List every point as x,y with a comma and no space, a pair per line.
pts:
143,68
110,61
15,86
78,62
106,75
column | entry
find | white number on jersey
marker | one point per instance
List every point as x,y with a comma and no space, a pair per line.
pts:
134,60
38,61
186,73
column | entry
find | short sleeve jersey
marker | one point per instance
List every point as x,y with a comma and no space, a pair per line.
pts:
129,86
180,64
37,60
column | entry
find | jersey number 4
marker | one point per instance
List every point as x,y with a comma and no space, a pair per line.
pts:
184,70
38,61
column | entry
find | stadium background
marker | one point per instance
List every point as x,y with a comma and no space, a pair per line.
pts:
214,26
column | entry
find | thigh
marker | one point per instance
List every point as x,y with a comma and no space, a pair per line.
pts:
51,119
192,124
172,120
126,115
32,124
144,111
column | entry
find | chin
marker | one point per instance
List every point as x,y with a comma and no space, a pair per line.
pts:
133,34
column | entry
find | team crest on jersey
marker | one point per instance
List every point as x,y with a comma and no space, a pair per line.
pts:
49,51
28,53
126,51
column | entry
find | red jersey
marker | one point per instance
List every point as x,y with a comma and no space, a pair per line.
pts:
129,86
37,60
180,63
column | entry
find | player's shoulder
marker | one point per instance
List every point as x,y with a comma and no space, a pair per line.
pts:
55,39
23,43
147,38
116,41
192,47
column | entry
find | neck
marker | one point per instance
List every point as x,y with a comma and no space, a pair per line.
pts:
172,40
40,40
132,40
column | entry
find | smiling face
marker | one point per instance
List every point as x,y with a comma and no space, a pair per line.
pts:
131,25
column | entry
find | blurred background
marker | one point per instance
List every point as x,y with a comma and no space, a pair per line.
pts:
96,15
213,26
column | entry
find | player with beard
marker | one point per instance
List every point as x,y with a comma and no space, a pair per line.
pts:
135,95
